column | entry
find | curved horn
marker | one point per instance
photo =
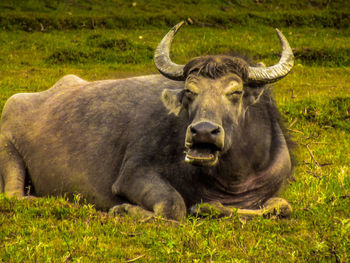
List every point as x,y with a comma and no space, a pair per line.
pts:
271,74
162,59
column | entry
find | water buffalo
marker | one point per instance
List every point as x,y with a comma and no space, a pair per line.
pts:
204,132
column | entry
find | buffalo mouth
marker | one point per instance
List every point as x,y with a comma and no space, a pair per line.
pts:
202,154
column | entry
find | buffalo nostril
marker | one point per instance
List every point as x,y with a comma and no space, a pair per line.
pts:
193,131
216,131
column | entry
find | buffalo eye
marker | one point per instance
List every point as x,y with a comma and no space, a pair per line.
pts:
234,95
190,95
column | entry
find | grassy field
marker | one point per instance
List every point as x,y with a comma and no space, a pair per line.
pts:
41,41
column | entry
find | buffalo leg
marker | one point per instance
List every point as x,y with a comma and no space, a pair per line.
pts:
132,210
273,207
147,189
12,169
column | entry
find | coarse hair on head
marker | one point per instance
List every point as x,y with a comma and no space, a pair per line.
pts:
217,66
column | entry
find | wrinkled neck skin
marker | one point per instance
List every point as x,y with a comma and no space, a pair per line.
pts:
254,163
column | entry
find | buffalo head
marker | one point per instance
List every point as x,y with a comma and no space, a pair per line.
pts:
217,92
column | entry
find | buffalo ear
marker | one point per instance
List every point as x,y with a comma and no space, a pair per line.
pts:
172,100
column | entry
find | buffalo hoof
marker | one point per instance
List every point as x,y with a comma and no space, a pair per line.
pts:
131,210
278,207
273,208
172,209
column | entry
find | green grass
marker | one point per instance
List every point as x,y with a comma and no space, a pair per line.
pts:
314,99
36,15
